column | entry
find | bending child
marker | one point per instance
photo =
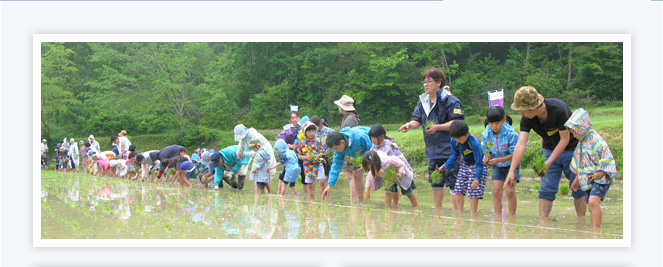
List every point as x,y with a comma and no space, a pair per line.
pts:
381,142
377,163
288,158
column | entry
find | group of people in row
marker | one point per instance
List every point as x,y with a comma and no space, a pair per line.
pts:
456,159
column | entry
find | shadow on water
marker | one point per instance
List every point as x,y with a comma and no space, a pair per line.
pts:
82,206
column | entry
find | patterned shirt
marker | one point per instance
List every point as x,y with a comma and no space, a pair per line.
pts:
322,135
311,147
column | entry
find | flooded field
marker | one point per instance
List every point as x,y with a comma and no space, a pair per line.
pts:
81,206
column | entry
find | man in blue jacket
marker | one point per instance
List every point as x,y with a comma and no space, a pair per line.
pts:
351,142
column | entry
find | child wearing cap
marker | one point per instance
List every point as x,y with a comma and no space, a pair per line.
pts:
199,170
259,173
592,163
292,170
471,180
546,116
311,151
498,142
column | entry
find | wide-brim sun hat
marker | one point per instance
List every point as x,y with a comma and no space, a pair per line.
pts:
526,98
240,132
205,158
346,103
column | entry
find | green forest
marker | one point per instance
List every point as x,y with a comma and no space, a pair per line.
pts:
191,91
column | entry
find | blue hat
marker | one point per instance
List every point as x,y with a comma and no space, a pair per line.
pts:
195,158
214,161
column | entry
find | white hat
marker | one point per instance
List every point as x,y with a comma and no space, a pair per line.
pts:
90,137
205,158
71,139
240,132
345,103
43,140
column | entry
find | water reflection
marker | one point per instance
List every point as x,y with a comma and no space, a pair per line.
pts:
112,208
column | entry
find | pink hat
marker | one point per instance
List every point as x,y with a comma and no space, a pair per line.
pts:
345,103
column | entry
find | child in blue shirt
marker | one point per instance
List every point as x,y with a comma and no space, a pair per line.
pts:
472,174
290,159
259,173
499,140
199,170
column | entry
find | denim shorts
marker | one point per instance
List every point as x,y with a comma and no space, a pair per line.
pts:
500,173
597,190
261,185
191,174
394,189
449,180
550,182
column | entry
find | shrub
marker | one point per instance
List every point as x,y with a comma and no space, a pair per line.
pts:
197,136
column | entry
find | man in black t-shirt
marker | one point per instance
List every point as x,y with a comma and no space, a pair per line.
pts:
546,117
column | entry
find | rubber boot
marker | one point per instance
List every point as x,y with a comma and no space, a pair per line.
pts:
231,181
240,181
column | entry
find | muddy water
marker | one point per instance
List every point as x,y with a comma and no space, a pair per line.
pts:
82,206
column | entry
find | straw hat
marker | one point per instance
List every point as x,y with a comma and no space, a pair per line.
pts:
345,103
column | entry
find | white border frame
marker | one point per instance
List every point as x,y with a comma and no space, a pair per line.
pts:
36,207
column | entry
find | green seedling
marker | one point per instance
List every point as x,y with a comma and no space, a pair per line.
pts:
436,176
536,186
564,189
390,177
357,161
429,125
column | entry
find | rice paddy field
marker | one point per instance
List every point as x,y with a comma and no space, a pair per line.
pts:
80,206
